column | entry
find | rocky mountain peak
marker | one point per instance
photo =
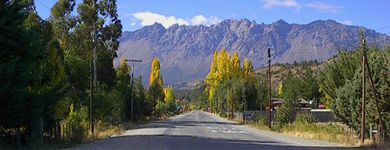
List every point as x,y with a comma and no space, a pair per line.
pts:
186,51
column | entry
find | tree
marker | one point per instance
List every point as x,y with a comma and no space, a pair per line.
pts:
141,103
349,95
156,83
248,68
211,80
292,91
230,87
280,88
123,86
310,87
236,65
169,99
32,68
336,73
340,81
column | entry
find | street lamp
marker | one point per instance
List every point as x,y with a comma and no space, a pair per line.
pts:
132,61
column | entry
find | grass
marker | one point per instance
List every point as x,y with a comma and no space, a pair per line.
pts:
331,132
260,126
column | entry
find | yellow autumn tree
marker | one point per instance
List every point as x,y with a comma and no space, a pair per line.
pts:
156,82
211,80
248,68
280,89
169,96
155,73
169,99
235,63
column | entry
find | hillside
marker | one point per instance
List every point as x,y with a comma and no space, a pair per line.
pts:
186,51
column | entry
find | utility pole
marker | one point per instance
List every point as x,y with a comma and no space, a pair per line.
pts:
380,127
365,64
269,89
132,61
93,77
363,92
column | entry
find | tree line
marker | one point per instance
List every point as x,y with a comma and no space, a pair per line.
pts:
234,87
341,83
46,66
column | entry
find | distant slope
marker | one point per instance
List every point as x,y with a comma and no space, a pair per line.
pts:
186,52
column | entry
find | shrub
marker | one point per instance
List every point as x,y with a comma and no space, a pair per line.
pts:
160,108
263,120
305,118
76,125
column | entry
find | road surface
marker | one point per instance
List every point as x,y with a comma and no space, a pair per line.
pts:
202,130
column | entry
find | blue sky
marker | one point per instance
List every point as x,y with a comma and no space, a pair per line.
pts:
134,14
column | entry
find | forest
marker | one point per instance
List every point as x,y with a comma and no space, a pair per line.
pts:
58,81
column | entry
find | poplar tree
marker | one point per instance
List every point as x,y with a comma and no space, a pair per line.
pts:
156,83
236,64
211,80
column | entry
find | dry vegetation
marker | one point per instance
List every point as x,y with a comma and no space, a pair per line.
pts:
331,132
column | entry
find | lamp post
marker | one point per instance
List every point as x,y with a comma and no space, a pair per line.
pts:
132,61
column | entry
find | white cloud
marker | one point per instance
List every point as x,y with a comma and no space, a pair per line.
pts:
202,20
324,7
347,22
149,18
268,4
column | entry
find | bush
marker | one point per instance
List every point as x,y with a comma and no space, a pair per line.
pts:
284,115
76,125
160,108
305,118
263,120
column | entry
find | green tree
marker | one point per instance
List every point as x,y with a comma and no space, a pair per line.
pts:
349,95
341,83
310,87
33,78
123,86
336,73
169,99
141,103
292,91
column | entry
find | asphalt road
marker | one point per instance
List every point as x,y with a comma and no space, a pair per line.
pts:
202,130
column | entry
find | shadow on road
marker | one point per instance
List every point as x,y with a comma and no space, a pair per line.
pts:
189,142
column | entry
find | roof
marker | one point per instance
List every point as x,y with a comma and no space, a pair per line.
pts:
279,100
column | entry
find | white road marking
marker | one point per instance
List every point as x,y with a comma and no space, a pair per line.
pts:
226,130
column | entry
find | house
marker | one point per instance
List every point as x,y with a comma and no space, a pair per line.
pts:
303,104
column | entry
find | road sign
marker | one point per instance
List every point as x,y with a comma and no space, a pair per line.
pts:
248,115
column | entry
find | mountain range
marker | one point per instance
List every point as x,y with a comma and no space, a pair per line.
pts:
185,52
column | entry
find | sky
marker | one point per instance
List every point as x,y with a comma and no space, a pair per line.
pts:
134,14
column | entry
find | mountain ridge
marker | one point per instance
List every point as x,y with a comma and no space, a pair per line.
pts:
186,52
